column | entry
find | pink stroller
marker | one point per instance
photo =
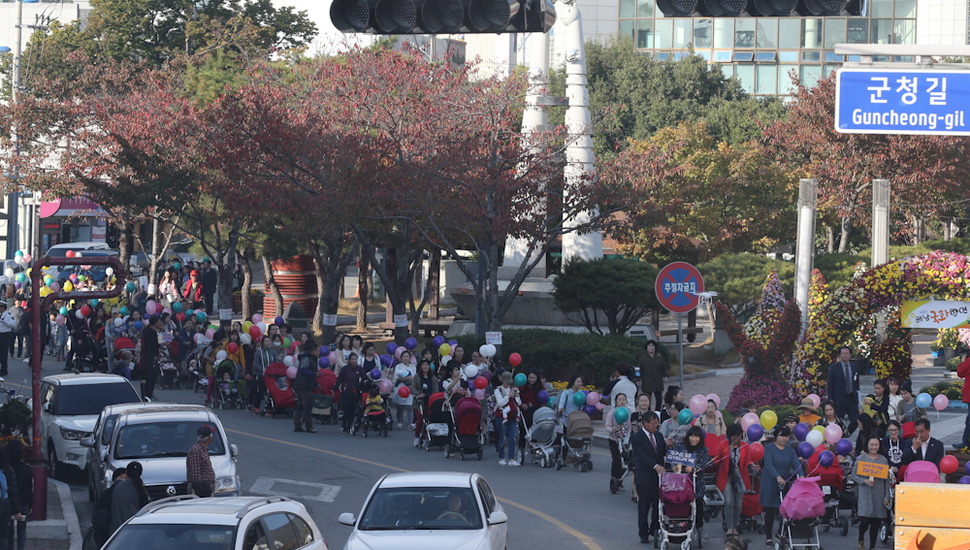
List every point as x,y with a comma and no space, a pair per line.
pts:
677,511
801,511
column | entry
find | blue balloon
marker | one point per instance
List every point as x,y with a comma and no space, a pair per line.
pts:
801,431
924,400
391,348
279,321
324,362
542,396
376,373
452,343
411,343
139,325
324,351
387,360
965,480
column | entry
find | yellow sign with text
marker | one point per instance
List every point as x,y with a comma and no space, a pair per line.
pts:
871,469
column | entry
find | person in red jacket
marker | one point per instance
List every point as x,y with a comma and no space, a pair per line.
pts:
193,290
963,371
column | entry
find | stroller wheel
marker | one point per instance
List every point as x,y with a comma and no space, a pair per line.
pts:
844,526
447,451
365,434
614,485
480,454
559,465
884,533
543,463
589,465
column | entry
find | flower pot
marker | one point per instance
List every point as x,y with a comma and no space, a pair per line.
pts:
937,353
949,353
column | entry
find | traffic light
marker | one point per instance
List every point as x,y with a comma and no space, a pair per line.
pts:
442,16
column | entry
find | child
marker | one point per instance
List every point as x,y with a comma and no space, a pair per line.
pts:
374,403
123,365
617,432
60,339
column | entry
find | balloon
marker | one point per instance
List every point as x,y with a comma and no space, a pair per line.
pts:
398,351
210,333
288,361
385,386
621,414
756,451
444,349
150,308
515,359
232,347
324,351
180,317
684,417
940,402
833,433
453,343
21,277
391,348
447,359
118,321
949,464
698,404
965,480
923,400
479,394
816,400
387,360
844,447
8,273
254,332
85,310
130,287
262,327
755,432
715,398
244,338
815,438
200,316
27,258
375,373
82,278
552,402
63,310
805,449
800,431
324,362
521,379
481,382
60,319
542,396
769,419
483,350
177,307
471,371
290,372
221,355
592,398
70,254
68,286
18,253
124,310
404,392
411,343
579,399
747,420
826,458
490,350
279,320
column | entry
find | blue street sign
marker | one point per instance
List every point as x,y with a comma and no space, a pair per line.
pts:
896,101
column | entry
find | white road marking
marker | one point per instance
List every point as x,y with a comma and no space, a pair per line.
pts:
268,486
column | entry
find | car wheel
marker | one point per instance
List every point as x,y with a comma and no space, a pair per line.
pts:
53,464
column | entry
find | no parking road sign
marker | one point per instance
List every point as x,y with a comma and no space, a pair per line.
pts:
678,285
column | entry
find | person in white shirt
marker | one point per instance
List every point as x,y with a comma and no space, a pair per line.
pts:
507,405
7,327
403,374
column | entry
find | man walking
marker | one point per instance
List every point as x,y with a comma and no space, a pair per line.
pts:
7,327
305,384
843,388
198,468
150,348
649,449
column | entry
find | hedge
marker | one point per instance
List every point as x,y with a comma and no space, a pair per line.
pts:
560,355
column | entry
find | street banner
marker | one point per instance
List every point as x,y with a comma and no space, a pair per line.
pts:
935,314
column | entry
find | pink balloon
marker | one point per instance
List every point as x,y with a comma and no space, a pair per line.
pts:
718,414
291,372
592,398
167,310
479,394
399,351
833,433
816,400
715,398
257,318
209,333
60,319
55,286
150,308
386,386
599,406
749,420
698,404
27,258
940,402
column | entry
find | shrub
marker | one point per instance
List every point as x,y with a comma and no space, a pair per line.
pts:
952,390
954,394
15,418
953,364
618,291
764,391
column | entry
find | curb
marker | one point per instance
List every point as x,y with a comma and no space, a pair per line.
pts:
70,514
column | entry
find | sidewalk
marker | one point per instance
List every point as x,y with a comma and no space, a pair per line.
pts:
61,530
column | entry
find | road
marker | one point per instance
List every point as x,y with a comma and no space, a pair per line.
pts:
331,473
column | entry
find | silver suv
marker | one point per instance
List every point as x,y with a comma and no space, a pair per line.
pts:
159,436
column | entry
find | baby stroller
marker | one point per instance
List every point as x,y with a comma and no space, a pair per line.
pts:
170,371
436,431
831,481
713,497
373,413
888,527
280,399
751,519
194,374
677,510
228,393
801,509
323,409
540,438
467,437
577,442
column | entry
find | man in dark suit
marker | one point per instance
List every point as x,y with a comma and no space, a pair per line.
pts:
650,449
842,385
924,447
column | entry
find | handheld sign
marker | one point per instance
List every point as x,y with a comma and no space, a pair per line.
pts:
872,470
680,457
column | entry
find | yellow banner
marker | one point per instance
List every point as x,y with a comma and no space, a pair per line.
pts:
871,469
935,314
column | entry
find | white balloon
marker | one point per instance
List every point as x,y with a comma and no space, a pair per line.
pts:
221,355
245,339
445,359
483,350
19,260
262,327
119,321
491,350
471,371
78,314
815,437
8,273
288,360
109,271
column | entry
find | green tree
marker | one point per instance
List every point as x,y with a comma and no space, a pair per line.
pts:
739,280
621,291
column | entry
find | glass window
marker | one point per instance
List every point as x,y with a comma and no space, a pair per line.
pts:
645,33
765,57
628,9
706,54
811,56
789,29
831,57
727,70
811,33
304,533
682,32
279,529
744,32
881,8
677,56
789,57
163,439
645,8
834,32
767,82
724,32
811,74
91,399
664,29
626,28
163,535
722,57
827,70
785,74
904,31
743,56
906,8
767,32
661,56
745,74
424,508
858,31
882,31
702,33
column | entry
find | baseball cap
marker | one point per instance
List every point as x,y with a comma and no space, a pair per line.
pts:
205,431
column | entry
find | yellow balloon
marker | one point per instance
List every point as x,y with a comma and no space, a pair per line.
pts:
44,291
246,326
819,429
68,286
28,273
444,349
768,420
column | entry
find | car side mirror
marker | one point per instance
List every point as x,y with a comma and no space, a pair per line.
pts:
87,442
233,450
347,518
497,518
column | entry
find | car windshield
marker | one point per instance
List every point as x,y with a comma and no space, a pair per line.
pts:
421,508
85,399
163,439
166,537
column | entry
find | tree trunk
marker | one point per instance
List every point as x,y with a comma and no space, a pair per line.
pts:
124,246
363,291
844,236
247,283
830,237
320,268
947,235
154,257
434,283
271,284
227,264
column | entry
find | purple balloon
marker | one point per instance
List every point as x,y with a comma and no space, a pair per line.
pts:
324,362
844,447
805,450
452,343
487,374
826,458
279,321
324,351
542,396
437,341
967,468
376,373
387,360
755,431
965,480
411,343
589,409
391,348
801,431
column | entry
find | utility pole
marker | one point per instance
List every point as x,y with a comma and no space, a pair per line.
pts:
13,198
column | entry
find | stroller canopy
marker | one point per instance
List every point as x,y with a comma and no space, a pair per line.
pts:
543,414
468,407
579,426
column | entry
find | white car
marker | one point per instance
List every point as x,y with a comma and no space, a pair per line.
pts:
237,523
70,405
429,511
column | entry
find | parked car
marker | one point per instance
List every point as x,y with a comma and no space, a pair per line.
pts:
70,405
84,247
428,511
159,435
239,523
140,261
96,272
